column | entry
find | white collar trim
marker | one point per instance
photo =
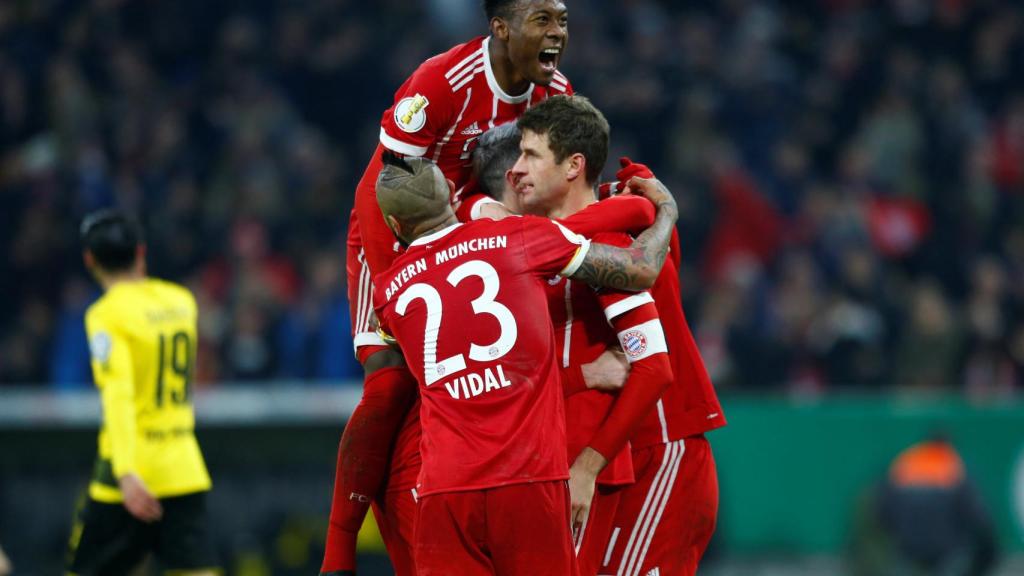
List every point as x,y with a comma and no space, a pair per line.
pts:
435,235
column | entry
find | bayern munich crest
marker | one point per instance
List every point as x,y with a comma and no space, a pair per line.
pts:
635,343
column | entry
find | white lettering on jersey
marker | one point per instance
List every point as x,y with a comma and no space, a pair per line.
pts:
474,245
473,384
403,276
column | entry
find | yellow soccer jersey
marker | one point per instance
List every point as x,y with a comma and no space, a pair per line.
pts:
142,339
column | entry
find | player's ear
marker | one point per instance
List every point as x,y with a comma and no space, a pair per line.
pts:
393,223
499,29
89,260
451,187
576,167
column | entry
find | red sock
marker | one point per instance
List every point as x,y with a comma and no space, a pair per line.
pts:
363,456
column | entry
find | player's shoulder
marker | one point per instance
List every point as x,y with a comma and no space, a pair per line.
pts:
447,69
172,292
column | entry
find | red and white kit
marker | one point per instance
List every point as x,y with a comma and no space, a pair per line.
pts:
665,520
466,305
588,321
438,113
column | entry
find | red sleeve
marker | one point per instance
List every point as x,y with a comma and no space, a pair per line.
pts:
551,249
377,239
423,109
572,380
643,340
628,214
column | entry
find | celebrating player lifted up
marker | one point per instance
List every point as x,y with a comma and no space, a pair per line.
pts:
466,303
437,113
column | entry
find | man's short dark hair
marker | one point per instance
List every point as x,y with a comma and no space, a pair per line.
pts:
573,125
113,238
496,152
499,8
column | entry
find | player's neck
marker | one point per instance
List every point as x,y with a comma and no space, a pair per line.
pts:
109,280
429,227
578,198
504,72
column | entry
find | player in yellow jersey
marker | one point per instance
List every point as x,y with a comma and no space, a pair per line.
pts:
149,485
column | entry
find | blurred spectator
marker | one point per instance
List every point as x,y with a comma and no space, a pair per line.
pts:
842,166
929,517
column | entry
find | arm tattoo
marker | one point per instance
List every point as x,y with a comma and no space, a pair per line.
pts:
635,267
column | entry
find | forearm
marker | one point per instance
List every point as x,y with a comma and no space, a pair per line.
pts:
636,267
648,379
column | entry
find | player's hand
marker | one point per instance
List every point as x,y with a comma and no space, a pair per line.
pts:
653,190
138,500
582,480
628,169
607,372
494,211
581,493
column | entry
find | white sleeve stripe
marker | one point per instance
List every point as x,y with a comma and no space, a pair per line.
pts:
561,77
474,213
367,339
643,340
577,259
476,53
557,86
625,305
399,146
453,80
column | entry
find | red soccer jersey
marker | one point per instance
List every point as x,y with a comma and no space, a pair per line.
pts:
689,406
438,113
467,305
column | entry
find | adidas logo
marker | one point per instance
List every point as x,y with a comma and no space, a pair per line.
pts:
472,130
654,572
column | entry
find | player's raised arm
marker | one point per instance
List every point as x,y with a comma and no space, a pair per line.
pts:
638,266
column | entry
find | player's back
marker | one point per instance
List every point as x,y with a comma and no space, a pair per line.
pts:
467,305
142,337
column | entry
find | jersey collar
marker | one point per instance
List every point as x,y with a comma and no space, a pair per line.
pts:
435,236
493,82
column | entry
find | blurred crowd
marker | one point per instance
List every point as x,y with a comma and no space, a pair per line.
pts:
850,173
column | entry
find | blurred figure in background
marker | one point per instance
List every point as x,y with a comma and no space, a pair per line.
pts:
927,518
149,484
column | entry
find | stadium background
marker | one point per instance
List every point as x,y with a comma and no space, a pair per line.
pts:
851,181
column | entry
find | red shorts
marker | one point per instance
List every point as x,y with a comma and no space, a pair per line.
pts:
522,529
666,519
592,540
396,515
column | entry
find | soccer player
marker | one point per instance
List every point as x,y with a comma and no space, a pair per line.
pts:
437,113
149,485
665,520
466,303
585,320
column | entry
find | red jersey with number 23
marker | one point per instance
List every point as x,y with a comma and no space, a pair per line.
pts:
467,305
